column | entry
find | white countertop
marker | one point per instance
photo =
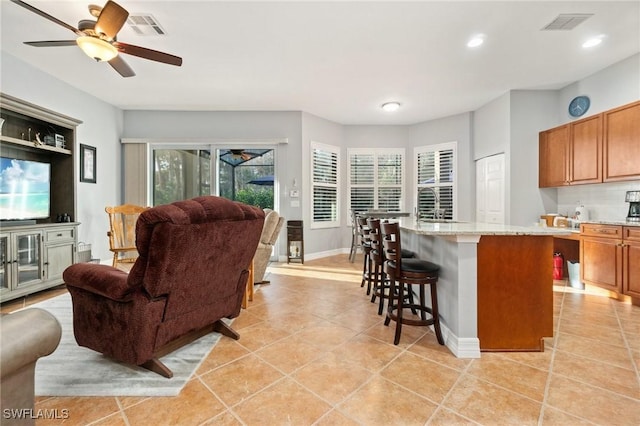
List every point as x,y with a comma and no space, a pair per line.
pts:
473,228
613,222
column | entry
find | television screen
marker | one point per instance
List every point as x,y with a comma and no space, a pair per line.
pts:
24,189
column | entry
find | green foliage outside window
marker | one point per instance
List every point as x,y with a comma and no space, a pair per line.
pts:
262,198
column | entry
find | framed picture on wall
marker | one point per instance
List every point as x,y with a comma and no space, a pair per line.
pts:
87,163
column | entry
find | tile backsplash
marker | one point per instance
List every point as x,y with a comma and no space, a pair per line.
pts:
604,201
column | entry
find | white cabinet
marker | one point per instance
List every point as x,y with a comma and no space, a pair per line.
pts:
21,260
33,257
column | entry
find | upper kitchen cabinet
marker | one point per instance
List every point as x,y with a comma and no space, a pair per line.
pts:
585,151
571,154
554,153
600,148
622,143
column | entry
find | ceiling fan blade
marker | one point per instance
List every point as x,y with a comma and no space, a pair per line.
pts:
150,54
47,16
122,67
51,43
111,19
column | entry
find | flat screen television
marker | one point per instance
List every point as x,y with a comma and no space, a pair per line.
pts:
25,189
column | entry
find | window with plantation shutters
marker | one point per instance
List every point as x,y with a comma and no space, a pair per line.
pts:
324,183
435,180
376,179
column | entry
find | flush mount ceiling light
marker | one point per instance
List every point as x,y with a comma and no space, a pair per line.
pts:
476,41
96,48
391,106
592,42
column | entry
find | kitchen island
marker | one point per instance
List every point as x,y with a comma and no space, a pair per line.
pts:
495,291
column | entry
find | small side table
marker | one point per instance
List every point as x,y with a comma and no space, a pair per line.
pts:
295,241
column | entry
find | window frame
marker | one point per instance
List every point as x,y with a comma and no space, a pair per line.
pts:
454,184
377,152
331,149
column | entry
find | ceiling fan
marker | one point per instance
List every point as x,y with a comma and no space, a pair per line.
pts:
242,154
97,38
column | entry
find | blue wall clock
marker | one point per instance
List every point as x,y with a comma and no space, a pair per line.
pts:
579,105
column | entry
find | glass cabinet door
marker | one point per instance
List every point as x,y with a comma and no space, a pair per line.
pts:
28,251
4,262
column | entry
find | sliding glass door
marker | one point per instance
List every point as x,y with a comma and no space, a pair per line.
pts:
180,174
241,174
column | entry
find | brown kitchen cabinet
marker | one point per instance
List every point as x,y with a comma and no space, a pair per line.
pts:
553,153
621,143
585,151
631,261
571,154
601,256
600,148
610,258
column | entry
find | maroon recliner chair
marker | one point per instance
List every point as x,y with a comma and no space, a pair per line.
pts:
191,272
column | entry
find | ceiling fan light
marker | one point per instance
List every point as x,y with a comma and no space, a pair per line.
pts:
96,48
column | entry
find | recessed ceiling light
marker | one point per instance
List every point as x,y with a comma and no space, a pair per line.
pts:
391,106
476,41
592,42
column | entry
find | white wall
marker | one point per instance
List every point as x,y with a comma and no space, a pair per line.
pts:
604,201
323,241
457,128
491,128
531,111
616,85
101,128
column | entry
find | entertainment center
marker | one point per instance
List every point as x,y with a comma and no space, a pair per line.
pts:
38,235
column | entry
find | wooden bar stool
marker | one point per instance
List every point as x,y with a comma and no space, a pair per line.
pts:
365,243
381,284
403,274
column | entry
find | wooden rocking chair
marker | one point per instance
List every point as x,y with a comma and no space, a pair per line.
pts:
122,233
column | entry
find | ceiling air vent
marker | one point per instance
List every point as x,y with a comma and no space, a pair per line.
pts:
145,25
567,21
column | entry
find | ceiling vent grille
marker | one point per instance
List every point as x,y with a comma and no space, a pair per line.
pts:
145,25
567,21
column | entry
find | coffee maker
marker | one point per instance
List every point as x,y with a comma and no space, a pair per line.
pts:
633,198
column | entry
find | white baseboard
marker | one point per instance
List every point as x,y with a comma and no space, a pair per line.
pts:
461,347
318,255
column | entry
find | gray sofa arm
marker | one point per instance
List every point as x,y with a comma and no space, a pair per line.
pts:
26,336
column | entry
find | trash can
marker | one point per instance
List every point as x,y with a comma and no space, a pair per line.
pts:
84,252
574,274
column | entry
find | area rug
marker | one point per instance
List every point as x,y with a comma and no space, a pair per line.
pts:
72,370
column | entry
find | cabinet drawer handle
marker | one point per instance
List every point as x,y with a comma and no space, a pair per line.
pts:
605,231
58,235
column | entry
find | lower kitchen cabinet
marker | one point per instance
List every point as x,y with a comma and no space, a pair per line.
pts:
601,256
631,261
610,257
33,257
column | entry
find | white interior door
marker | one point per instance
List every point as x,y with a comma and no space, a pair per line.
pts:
490,187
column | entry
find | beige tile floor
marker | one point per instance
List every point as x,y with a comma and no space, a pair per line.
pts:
313,351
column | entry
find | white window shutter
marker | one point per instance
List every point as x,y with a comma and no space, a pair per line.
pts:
324,180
